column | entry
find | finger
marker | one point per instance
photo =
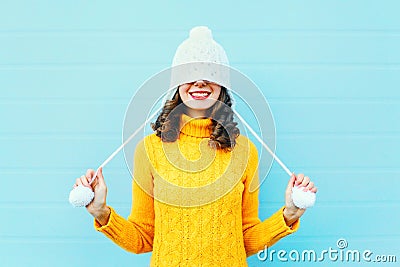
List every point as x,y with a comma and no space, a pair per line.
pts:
94,182
78,182
84,181
98,181
314,189
309,186
299,178
290,183
89,174
100,176
305,182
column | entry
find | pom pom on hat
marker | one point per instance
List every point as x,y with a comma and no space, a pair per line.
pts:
200,47
200,33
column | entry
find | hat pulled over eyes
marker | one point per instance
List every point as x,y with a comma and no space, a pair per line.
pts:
199,57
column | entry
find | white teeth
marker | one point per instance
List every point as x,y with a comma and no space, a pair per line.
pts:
199,94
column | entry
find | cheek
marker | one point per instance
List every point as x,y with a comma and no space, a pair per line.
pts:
217,91
182,91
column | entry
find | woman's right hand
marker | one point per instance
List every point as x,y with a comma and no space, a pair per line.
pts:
98,207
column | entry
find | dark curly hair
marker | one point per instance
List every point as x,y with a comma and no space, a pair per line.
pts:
223,129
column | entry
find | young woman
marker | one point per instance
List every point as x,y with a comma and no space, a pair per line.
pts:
194,144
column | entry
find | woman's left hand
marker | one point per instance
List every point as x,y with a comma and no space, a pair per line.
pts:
291,212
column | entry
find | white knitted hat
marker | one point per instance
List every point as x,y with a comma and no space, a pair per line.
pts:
200,47
199,58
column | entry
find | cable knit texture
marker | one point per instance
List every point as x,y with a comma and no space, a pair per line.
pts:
215,226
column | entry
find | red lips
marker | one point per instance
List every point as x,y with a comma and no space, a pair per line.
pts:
200,95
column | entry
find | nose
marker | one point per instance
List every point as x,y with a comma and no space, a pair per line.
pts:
200,83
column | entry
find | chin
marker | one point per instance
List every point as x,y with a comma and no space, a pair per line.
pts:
202,105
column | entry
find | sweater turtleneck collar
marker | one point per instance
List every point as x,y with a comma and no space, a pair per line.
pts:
195,126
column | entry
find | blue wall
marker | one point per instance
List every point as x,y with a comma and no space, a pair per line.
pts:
329,69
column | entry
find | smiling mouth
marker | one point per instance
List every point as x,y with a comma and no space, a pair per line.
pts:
200,95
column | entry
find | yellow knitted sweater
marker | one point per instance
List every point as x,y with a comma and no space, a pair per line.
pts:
192,205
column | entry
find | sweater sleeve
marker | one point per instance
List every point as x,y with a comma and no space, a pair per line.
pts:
259,234
136,233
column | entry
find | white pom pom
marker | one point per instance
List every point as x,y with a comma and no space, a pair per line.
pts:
301,199
200,33
81,196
